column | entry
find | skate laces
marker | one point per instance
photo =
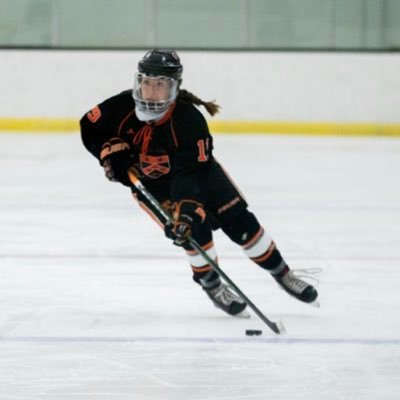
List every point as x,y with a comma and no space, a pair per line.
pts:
223,295
293,280
308,274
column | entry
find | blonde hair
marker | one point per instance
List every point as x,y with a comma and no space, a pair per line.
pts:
188,97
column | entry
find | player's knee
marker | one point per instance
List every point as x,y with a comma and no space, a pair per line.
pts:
241,228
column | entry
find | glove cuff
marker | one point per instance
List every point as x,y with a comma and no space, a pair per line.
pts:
113,146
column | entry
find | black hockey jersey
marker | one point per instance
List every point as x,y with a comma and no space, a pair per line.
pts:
172,156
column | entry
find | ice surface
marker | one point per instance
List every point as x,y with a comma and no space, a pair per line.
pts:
96,304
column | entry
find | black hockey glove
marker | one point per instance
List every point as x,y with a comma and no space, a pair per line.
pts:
187,213
115,158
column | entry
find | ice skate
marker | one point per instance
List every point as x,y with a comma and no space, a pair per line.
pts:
296,287
225,299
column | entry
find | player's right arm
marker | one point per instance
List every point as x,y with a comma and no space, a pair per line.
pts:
96,130
99,133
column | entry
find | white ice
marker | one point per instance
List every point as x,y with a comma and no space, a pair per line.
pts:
96,304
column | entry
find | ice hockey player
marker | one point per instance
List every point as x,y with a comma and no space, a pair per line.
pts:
157,129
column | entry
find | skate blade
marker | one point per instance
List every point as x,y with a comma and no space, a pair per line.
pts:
243,314
315,304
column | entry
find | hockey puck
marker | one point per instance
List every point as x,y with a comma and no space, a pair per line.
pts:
253,332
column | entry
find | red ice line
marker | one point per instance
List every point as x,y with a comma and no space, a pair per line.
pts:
178,257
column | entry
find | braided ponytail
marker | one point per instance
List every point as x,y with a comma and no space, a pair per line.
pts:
188,97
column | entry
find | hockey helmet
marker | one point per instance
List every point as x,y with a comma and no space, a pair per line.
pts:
160,72
161,62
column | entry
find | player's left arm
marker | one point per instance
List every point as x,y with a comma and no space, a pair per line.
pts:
191,160
189,175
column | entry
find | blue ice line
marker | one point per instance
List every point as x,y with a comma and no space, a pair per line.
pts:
221,340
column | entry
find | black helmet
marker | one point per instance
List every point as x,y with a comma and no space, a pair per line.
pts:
157,65
161,62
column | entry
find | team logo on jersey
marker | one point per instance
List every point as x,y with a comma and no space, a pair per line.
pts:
154,166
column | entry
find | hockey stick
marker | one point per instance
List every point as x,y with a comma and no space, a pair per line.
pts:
275,327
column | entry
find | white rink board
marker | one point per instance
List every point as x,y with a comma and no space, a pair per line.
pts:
250,86
96,304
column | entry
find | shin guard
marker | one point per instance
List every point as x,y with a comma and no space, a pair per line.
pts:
246,231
